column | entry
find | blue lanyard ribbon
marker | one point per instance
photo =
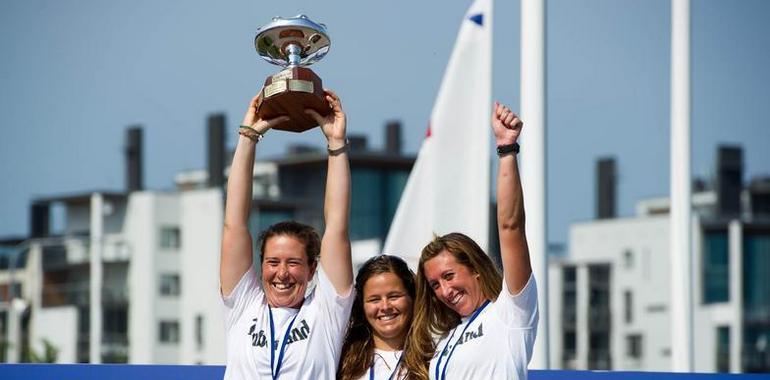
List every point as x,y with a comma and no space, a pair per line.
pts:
438,364
282,346
371,369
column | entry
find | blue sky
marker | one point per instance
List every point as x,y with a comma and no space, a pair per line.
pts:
75,74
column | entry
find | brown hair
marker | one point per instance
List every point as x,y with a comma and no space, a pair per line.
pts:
431,316
302,232
358,349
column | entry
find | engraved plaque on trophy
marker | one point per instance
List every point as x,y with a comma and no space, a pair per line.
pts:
293,43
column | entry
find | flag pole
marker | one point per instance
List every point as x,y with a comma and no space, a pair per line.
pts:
681,242
533,163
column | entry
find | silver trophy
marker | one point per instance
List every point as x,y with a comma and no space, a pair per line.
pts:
292,43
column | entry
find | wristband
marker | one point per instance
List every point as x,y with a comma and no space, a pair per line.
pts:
503,150
250,133
344,148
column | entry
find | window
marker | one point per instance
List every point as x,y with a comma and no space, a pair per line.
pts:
375,201
628,259
368,206
569,298
628,306
199,331
169,332
570,349
169,237
756,300
716,267
634,346
723,349
569,316
169,285
599,322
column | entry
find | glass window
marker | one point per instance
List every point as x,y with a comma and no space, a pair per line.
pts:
366,206
569,298
199,331
599,325
634,346
716,267
628,306
628,259
170,237
723,349
396,182
756,273
375,200
169,332
169,285
599,351
266,217
755,350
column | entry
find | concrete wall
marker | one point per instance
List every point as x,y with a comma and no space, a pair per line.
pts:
201,228
59,326
146,213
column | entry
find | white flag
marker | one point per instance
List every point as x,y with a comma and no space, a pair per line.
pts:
448,188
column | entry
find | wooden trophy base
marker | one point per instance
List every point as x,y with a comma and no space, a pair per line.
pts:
290,92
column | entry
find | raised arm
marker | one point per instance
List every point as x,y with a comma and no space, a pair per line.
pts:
236,257
510,202
335,244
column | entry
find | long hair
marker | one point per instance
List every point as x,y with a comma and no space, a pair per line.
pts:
431,316
358,348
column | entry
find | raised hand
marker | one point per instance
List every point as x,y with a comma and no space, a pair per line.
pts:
252,120
506,125
334,124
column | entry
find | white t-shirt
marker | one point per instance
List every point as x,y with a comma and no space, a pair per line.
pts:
315,341
385,363
497,344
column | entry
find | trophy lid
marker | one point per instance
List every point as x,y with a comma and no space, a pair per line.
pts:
294,41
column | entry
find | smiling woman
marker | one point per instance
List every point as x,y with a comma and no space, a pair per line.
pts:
374,347
275,328
487,323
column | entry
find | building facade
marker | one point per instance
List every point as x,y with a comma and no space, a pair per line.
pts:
609,297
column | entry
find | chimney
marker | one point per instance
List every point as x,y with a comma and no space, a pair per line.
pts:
759,191
393,137
729,179
39,219
606,185
216,150
133,151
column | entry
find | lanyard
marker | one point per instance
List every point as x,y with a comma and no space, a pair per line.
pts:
438,364
371,369
282,346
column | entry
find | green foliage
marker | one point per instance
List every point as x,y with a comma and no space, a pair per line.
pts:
49,355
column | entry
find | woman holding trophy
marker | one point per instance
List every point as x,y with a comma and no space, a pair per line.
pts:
273,330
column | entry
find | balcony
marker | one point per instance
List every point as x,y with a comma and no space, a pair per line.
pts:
78,293
70,251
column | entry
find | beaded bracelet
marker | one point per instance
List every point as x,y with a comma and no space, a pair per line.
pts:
250,133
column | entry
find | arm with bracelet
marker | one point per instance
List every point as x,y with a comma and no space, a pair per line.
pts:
236,254
335,243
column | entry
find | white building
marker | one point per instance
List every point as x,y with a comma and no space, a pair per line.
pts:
609,298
